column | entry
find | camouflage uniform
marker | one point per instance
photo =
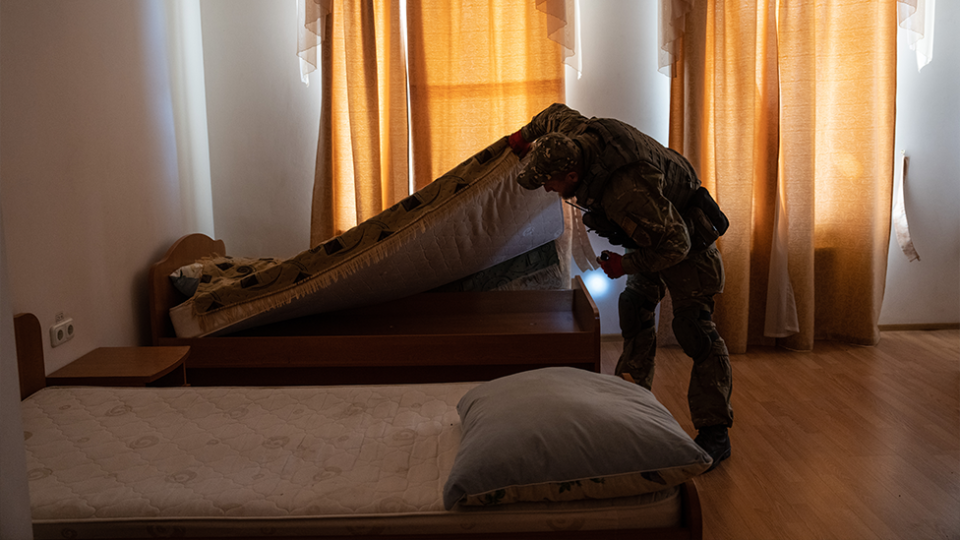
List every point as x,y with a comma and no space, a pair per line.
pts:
637,193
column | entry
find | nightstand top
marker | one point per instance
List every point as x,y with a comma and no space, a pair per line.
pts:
120,366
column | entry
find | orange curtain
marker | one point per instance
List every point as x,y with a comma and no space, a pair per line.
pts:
479,70
786,108
362,156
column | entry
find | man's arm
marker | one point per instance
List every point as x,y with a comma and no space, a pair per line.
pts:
634,201
557,117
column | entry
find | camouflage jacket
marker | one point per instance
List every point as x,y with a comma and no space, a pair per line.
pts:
632,180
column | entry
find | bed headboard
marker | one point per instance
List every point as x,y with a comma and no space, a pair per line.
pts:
29,339
163,295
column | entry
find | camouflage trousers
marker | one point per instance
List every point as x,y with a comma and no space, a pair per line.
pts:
692,284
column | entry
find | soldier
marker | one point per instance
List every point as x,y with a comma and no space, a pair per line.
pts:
648,199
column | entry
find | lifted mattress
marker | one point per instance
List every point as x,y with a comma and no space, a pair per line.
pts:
470,219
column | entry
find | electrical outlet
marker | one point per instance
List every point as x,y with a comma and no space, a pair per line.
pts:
62,331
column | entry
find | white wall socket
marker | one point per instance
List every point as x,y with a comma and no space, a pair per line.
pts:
61,332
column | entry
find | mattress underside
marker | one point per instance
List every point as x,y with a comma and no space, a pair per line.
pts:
473,218
210,461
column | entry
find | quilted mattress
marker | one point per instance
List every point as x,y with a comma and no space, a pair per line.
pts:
292,461
474,217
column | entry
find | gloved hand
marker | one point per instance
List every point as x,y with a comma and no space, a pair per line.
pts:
611,263
520,147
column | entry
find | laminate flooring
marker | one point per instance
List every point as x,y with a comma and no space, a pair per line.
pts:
844,442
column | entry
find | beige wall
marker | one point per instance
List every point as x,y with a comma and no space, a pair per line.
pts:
89,195
263,125
928,130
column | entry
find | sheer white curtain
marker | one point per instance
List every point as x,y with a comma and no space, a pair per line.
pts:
188,93
310,21
916,17
14,490
673,15
563,28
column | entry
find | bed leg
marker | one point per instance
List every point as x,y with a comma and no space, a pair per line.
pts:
692,513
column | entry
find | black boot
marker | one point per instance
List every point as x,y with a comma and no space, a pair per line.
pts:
716,442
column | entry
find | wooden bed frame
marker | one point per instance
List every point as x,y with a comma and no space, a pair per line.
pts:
430,337
32,379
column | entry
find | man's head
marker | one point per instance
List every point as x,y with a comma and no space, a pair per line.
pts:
553,163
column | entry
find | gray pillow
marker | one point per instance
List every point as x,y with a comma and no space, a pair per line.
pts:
562,433
186,279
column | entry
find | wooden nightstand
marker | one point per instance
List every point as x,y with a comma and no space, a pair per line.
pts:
125,366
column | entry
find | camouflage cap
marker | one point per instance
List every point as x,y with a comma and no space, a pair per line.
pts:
550,154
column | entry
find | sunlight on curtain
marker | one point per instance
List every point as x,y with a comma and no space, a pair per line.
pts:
478,71
483,81
471,86
362,156
790,104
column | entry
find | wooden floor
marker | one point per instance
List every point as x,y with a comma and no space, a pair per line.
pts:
844,442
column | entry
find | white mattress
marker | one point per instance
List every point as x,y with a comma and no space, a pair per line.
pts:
212,461
452,233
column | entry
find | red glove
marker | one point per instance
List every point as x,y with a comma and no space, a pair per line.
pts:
611,263
520,146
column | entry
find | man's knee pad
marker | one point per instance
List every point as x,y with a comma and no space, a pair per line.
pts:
694,337
636,313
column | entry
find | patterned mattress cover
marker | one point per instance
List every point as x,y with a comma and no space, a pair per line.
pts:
471,219
311,461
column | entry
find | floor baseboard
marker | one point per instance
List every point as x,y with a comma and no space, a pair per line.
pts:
883,328
922,326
